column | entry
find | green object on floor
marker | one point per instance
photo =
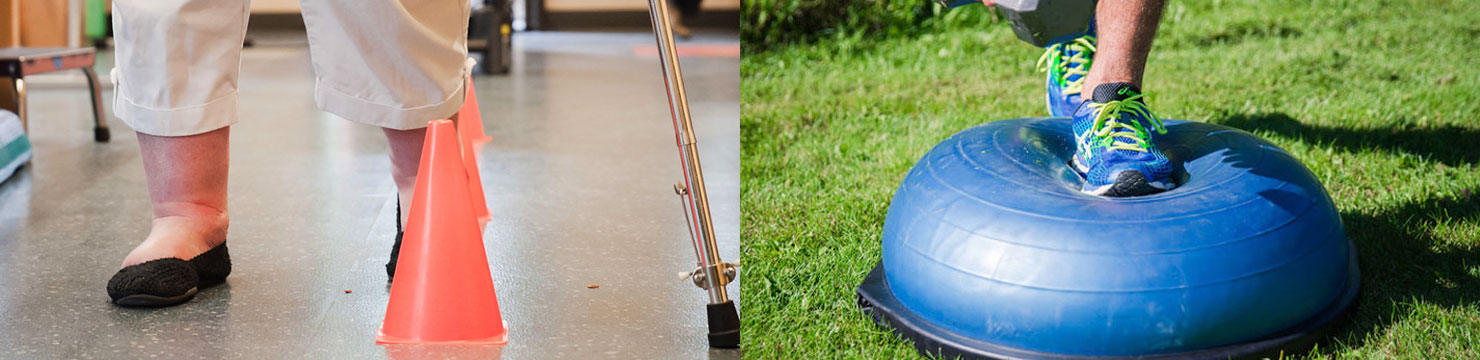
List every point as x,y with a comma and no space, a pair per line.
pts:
96,19
15,149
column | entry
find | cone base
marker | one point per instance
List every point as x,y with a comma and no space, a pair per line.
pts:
502,338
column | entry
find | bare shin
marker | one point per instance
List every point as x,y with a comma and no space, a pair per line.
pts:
1126,29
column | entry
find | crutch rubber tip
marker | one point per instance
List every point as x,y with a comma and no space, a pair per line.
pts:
724,325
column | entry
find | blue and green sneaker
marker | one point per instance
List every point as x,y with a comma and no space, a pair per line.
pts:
1113,133
1067,64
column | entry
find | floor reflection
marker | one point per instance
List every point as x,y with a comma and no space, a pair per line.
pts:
425,352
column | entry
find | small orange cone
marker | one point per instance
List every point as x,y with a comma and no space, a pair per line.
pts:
470,115
475,183
443,293
470,130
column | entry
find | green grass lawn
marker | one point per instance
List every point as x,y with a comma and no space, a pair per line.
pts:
1381,99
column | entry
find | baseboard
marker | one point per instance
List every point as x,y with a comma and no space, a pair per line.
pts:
554,20
635,19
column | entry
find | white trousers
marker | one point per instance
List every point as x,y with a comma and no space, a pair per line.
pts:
390,63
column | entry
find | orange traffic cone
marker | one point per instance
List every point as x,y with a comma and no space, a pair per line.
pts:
470,130
470,116
475,183
443,293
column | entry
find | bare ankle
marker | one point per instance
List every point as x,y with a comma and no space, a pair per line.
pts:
204,221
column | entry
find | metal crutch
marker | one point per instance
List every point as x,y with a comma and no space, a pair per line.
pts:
713,273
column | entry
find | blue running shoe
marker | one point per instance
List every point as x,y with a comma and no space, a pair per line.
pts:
1066,65
1115,149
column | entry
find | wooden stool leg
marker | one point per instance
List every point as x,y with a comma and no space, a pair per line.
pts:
100,131
20,101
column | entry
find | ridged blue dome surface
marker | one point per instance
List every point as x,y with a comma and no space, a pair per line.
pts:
988,238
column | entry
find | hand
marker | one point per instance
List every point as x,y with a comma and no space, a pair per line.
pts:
989,2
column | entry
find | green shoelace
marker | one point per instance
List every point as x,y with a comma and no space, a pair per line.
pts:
1108,123
1055,58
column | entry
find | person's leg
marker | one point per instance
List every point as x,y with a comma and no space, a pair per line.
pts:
1126,28
405,146
399,86
405,154
1114,128
176,75
187,189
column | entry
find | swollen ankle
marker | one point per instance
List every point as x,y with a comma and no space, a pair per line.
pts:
200,221
188,209
179,237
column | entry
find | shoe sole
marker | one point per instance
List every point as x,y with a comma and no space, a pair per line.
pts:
145,300
1128,183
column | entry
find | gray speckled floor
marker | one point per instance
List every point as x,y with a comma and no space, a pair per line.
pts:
578,177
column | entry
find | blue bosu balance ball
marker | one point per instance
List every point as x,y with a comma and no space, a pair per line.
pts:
990,250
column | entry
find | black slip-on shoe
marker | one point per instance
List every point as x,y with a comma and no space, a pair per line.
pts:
390,266
169,281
